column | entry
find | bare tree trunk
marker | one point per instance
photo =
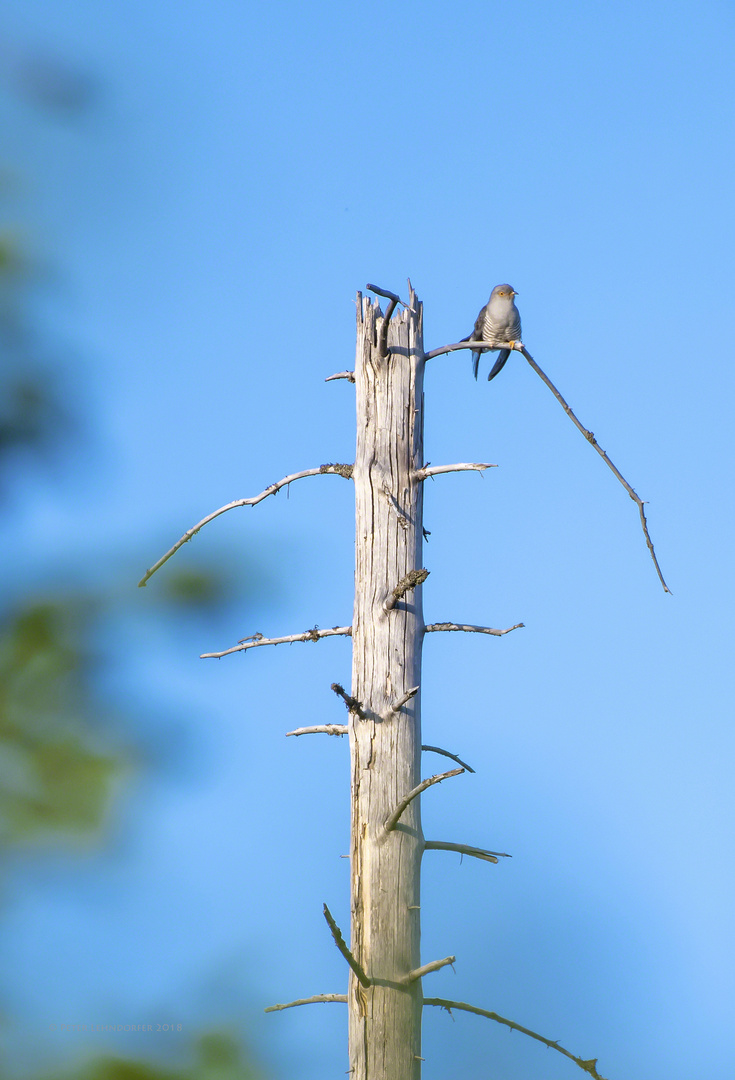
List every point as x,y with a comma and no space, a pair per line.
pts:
385,1017
385,997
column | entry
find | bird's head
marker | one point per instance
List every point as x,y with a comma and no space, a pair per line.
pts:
503,292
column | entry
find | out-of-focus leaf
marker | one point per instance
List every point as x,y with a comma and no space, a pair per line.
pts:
52,83
218,1056
195,586
56,771
30,413
32,416
9,261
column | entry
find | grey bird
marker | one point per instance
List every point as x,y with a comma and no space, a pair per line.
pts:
498,323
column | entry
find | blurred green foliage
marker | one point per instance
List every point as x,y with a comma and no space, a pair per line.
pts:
56,773
218,1056
32,416
60,761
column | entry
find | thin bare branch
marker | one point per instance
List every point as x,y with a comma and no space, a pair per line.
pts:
339,470
410,581
352,703
308,1001
339,941
462,466
466,849
518,346
468,628
589,1066
589,436
392,820
390,295
394,299
426,969
446,753
309,635
398,705
323,729
473,345
349,375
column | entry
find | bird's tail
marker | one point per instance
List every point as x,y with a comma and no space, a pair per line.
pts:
475,355
499,363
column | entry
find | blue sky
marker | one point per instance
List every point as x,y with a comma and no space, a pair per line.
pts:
243,171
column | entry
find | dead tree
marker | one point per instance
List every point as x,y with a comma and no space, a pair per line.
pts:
385,978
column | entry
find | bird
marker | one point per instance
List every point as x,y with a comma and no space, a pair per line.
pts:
499,323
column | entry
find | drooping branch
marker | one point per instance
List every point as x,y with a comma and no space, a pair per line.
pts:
339,941
317,998
589,1066
336,469
462,466
466,849
309,635
518,346
426,969
589,436
410,581
446,753
398,705
324,729
468,628
392,820
352,703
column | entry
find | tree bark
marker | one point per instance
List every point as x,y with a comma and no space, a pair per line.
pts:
385,1018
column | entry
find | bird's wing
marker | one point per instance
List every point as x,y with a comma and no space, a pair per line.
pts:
479,332
477,335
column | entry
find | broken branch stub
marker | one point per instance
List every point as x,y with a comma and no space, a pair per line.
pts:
406,584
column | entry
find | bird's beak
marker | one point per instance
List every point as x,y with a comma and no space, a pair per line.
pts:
514,293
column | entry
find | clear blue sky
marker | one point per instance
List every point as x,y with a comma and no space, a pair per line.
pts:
245,169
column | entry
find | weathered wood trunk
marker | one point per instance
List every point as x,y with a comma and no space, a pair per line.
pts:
385,1018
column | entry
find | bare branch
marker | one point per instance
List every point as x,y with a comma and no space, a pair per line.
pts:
438,750
410,581
462,466
589,436
339,470
307,1001
425,969
390,295
392,820
465,849
589,1066
309,635
518,346
470,629
324,729
339,941
352,703
394,299
473,345
350,375
398,705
